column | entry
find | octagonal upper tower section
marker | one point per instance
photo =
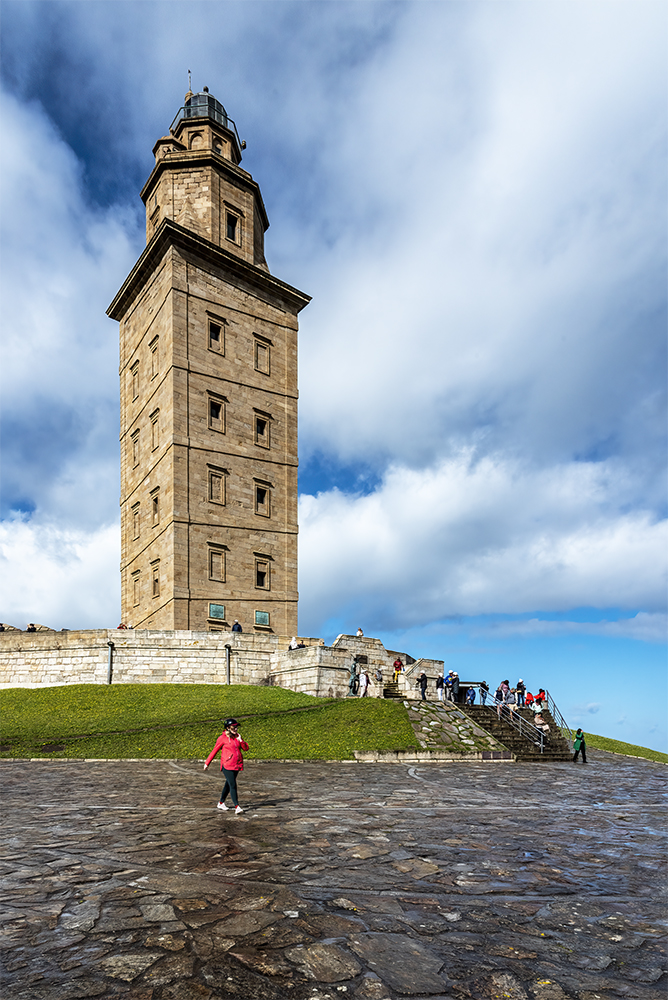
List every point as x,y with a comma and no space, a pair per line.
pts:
198,182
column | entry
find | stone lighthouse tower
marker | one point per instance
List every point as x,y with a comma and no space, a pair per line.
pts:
208,368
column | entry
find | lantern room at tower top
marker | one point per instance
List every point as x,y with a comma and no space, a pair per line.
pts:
205,105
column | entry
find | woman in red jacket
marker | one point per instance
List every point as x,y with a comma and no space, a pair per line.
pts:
230,744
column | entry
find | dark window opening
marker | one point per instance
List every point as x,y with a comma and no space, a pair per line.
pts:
216,416
262,575
214,336
232,227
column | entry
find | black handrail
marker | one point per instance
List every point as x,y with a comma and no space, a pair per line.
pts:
194,112
557,716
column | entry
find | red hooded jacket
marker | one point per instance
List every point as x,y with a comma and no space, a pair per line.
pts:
231,747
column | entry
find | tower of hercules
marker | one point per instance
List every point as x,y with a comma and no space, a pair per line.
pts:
208,368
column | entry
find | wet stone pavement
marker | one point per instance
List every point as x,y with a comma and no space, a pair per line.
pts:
369,881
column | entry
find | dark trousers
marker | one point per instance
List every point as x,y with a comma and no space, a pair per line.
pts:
520,697
580,751
230,786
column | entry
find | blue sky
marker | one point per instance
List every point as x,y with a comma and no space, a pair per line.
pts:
474,195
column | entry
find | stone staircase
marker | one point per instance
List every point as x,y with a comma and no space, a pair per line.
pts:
391,690
556,746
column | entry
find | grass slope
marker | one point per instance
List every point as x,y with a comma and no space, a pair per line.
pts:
184,720
629,749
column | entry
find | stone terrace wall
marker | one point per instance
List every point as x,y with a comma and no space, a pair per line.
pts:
46,659
41,659
318,670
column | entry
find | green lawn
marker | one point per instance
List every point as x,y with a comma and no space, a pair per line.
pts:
183,720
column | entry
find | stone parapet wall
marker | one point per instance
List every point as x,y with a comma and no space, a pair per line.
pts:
47,659
42,659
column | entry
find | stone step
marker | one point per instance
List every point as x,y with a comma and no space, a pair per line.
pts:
556,749
391,690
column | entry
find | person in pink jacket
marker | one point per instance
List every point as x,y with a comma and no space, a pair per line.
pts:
230,745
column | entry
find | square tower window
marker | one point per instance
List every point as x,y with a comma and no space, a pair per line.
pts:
217,611
217,336
262,574
155,578
136,592
217,484
232,227
134,440
155,505
263,499
262,430
134,376
155,430
216,411
155,356
262,358
262,619
136,521
217,563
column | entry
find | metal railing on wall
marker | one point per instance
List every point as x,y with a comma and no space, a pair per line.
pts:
557,716
526,729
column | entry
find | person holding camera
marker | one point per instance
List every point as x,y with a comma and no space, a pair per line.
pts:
230,745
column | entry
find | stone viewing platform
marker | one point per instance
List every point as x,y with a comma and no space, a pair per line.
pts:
46,658
382,882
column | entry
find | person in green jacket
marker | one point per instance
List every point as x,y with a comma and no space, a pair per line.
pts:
579,746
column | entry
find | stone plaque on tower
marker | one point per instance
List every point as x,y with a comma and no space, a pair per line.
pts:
208,369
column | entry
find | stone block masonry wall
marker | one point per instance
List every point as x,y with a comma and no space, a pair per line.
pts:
180,657
45,659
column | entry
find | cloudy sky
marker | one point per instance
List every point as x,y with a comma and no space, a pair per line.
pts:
474,195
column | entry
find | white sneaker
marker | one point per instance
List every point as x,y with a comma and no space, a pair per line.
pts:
221,805
238,810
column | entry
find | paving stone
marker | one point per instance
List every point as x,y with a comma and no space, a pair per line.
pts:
372,989
266,963
405,964
167,941
129,965
325,963
169,969
416,868
158,912
554,861
187,990
242,924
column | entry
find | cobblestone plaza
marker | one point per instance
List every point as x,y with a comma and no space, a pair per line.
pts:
373,881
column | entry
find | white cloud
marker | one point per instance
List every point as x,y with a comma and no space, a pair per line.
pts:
60,353
63,578
467,538
643,627
506,283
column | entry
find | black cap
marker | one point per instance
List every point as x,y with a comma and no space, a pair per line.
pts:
230,722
